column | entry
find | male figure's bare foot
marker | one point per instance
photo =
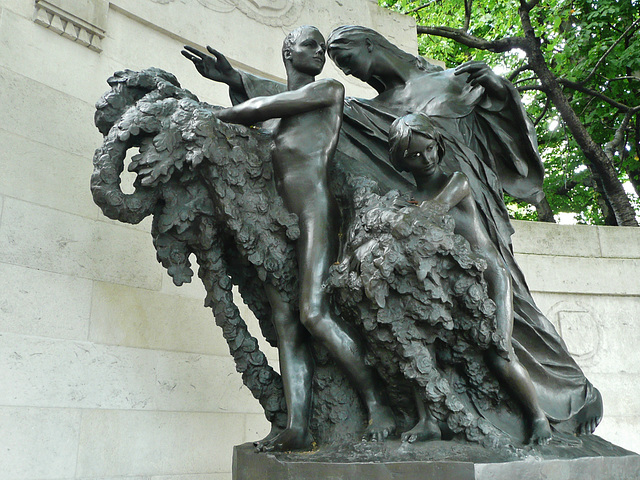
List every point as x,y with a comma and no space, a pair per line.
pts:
590,416
287,440
275,431
424,431
381,424
540,431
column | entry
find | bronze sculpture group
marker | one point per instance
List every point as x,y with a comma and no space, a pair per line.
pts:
369,237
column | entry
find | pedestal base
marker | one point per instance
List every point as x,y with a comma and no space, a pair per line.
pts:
586,459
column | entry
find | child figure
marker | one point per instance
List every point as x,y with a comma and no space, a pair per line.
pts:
416,146
305,142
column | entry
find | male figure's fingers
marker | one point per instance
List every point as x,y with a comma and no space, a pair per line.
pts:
189,55
195,51
216,53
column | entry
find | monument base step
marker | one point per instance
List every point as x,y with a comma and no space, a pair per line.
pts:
581,458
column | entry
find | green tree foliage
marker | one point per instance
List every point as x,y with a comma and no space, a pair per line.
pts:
592,48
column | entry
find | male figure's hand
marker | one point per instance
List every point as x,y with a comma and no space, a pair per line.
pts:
481,74
215,67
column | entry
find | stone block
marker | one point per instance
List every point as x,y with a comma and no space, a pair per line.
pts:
144,319
254,327
623,431
557,240
24,9
47,176
434,463
192,22
54,373
201,383
619,391
143,226
117,45
203,476
71,17
156,443
33,108
599,330
196,290
191,476
580,275
34,302
54,241
256,427
38,443
619,242
19,34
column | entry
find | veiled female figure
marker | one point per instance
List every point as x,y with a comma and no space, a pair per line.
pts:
490,139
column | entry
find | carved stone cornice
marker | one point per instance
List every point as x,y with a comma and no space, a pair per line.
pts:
58,19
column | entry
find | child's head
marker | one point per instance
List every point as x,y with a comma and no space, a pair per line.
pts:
401,132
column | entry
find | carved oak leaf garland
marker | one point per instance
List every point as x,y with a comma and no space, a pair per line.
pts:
208,198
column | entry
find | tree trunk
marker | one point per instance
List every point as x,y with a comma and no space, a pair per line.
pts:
595,156
633,171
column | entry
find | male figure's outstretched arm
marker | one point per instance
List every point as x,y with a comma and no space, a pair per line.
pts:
314,96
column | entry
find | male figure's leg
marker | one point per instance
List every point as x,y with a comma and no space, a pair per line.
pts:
296,368
316,249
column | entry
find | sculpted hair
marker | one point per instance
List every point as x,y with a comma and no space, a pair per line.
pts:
401,131
342,36
292,36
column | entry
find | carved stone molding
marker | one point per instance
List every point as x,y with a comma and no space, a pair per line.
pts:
274,13
55,16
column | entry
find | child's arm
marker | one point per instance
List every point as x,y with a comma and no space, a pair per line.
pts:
316,95
456,190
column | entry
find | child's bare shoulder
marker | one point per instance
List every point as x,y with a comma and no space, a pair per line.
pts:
459,181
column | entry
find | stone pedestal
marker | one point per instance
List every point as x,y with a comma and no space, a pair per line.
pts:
566,459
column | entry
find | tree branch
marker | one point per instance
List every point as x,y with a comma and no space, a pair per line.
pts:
580,88
421,7
526,88
523,68
467,14
547,102
594,154
528,79
568,186
610,49
527,6
617,141
460,36
626,77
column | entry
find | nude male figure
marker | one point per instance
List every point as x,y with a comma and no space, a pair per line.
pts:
305,141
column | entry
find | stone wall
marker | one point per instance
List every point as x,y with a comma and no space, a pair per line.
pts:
110,371
585,279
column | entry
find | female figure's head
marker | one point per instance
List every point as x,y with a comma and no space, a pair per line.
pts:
415,144
367,55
